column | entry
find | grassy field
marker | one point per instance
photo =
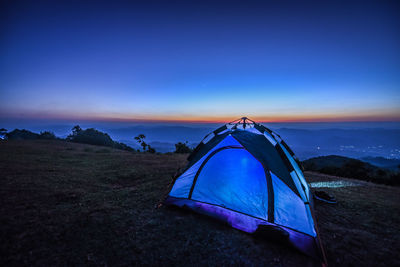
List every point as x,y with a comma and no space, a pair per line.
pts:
72,204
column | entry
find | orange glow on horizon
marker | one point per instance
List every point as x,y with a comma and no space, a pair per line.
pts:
206,119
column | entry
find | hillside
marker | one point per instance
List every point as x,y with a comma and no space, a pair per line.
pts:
74,204
349,167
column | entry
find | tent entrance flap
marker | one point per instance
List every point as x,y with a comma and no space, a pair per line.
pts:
234,179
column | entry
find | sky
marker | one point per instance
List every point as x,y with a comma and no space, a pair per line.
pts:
202,61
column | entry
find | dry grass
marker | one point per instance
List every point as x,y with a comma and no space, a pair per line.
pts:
363,228
72,204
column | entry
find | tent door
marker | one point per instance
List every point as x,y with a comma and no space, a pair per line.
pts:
232,178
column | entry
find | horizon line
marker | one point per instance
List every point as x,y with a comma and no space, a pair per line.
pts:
207,119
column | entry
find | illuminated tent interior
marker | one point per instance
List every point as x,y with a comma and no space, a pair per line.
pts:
246,175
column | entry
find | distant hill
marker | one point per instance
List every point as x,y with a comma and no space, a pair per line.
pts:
334,161
392,164
89,136
354,143
163,134
95,137
354,140
353,168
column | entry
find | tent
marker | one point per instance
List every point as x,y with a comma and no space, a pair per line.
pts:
246,175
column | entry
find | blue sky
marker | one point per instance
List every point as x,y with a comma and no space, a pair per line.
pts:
200,60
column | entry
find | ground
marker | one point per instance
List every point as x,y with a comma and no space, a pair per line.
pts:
72,204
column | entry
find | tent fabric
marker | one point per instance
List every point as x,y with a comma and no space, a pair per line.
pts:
205,148
301,182
223,181
248,176
290,210
183,184
265,152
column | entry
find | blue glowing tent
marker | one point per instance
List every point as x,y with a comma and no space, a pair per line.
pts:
246,175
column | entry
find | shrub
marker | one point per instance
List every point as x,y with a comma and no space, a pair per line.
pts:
353,168
90,136
47,135
94,137
21,135
182,148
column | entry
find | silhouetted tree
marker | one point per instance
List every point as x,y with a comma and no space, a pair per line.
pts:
47,135
140,139
146,147
90,136
182,148
76,129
